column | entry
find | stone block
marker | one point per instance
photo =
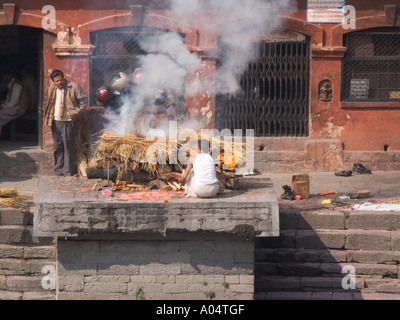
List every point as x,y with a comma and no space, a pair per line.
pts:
2,282
323,220
24,283
373,220
105,287
320,239
39,296
242,288
299,269
273,283
319,283
39,252
35,266
367,240
9,295
395,241
71,283
11,267
12,234
188,279
373,256
11,251
13,216
174,288
147,288
296,295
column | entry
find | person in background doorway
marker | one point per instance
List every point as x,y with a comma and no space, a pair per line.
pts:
66,99
16,102
200,175
29,83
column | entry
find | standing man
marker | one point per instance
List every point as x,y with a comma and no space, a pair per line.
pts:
66,100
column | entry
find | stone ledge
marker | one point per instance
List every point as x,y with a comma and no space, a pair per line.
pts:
67,207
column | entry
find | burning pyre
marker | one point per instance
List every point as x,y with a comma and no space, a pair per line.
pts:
123,162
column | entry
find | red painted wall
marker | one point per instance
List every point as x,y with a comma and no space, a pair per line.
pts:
360,127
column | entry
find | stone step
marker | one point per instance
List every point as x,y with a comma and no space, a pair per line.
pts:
320,255
29,295
340,220
296,283
27,251
308,295
316,269
325,295
25,283
11,234
369,287
22,162
279,161
350,239
14,216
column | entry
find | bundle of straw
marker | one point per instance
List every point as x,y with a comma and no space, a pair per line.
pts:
6,202
8,192
132,149
127,151
83,142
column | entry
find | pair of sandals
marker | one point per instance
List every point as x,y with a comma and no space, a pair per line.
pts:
357,168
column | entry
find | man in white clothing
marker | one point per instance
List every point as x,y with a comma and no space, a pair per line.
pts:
200,174
16,102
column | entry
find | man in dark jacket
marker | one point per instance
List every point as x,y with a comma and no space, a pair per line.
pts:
66,99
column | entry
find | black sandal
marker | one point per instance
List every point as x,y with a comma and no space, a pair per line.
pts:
347,173
360,169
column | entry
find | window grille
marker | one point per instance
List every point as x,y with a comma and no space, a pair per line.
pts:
371,66
274,96
117,50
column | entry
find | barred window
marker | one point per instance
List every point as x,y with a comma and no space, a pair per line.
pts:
371,66
117,50
274,96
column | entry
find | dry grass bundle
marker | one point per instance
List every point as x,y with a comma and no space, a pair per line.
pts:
8,192
127,152
6,202
132,150
10,197
83,143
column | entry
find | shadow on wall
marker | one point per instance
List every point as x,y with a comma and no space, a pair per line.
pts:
183,266
310,260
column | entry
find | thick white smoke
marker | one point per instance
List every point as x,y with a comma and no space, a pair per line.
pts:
239,25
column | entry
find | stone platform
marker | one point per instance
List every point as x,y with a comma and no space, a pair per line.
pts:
170,248
67,206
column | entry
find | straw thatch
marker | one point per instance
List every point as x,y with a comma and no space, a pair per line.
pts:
10,197
132,150
8,192
83,143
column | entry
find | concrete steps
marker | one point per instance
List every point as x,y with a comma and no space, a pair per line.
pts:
23,160
22,257
318,248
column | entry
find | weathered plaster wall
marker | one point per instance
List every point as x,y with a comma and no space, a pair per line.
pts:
367,127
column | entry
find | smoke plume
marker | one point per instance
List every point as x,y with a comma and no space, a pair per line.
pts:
239,24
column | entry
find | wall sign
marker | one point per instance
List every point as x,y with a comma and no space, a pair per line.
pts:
359,88
325,11
284,36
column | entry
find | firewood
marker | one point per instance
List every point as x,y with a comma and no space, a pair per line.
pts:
171,176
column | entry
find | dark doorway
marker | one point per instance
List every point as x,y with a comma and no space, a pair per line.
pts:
21,50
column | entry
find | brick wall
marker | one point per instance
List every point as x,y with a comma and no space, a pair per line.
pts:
195,267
